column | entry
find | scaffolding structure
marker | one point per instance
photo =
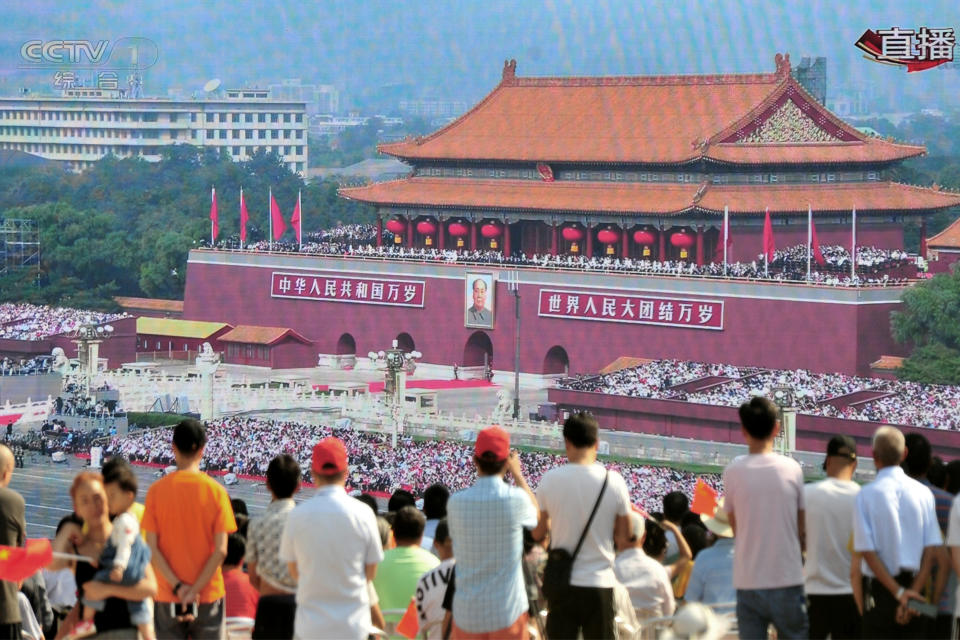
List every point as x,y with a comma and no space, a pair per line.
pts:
19,245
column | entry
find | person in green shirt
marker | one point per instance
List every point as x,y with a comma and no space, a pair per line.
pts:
401,568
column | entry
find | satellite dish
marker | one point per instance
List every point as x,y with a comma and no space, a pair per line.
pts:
212,85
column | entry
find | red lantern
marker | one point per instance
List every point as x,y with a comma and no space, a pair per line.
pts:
608,236
491,230
396,226
572,234
682,239
457,229
642,236
426,228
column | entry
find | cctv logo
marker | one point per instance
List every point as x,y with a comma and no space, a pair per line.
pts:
64,51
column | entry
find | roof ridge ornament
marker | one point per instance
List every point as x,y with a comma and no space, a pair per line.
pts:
509,70
783,64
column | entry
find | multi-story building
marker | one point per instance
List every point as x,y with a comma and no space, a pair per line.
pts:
319,98
84,125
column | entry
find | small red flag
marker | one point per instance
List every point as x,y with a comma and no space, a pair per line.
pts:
769,247
214,221
704,498
279,226
295,220
409,624
19,563
817,254
244,218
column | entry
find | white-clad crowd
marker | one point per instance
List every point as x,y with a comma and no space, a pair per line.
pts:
23,321
247,445
903,403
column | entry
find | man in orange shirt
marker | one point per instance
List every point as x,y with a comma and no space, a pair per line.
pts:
188,517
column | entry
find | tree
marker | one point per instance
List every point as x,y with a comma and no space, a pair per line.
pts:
930,320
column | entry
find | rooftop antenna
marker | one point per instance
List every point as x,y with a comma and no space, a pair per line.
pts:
135,80
212,85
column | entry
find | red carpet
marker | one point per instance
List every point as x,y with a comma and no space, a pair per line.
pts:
377,387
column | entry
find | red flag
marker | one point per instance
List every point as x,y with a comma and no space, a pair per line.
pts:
19,563
769,247
244,218
295,220
409,624
704,498
279,226
815,244
214,221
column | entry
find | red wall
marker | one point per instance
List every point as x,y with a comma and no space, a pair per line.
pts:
122,347
768,333
721,424
945,260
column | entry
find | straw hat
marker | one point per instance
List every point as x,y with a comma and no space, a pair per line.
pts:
719,523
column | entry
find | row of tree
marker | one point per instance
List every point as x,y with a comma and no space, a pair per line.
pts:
125,226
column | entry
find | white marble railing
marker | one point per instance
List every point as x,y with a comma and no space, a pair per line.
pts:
30,412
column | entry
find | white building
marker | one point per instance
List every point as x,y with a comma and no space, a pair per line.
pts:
84,125
319,98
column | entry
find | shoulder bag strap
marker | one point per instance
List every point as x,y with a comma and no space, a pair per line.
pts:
596,505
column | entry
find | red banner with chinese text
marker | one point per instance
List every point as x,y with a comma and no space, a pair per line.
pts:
632,308
301,286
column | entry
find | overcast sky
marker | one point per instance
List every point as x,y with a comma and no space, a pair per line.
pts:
455,48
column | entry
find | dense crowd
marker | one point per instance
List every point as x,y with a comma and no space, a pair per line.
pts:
903,403
22,321
246,446
874,265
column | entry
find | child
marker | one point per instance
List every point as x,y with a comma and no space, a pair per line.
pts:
124,557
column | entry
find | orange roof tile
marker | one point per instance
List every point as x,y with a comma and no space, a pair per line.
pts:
248,334
887,363
645,119
639,198
528,195
949,238
624,362
153,304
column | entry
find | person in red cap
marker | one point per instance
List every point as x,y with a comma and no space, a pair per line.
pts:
486,525
331,545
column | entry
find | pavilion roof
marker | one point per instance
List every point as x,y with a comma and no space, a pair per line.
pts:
949,238
733,118
640,198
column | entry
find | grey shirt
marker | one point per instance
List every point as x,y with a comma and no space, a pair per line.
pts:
13,533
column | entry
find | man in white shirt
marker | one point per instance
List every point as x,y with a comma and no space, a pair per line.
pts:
645,578
895,529
764,502
567,496
433,585
331,545
831,608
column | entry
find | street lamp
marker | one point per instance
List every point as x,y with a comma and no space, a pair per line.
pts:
395,385
88,336
512,278
783,397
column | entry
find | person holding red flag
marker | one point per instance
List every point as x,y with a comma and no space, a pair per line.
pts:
13,533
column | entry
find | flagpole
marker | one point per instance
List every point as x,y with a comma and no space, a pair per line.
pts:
726,236
853,248
299,223
809,237
270,207
241,218
213,198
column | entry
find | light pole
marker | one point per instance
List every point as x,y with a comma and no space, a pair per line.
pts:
395,385
513,286
783,397
88,337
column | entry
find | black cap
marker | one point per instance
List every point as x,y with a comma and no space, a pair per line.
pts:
189,435
843,446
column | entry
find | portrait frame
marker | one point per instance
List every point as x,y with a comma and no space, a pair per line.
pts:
471,320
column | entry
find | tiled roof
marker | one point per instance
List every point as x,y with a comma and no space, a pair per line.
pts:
153,304
620,197
248,334
948,238
887,363
177,328
642,120
624,362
